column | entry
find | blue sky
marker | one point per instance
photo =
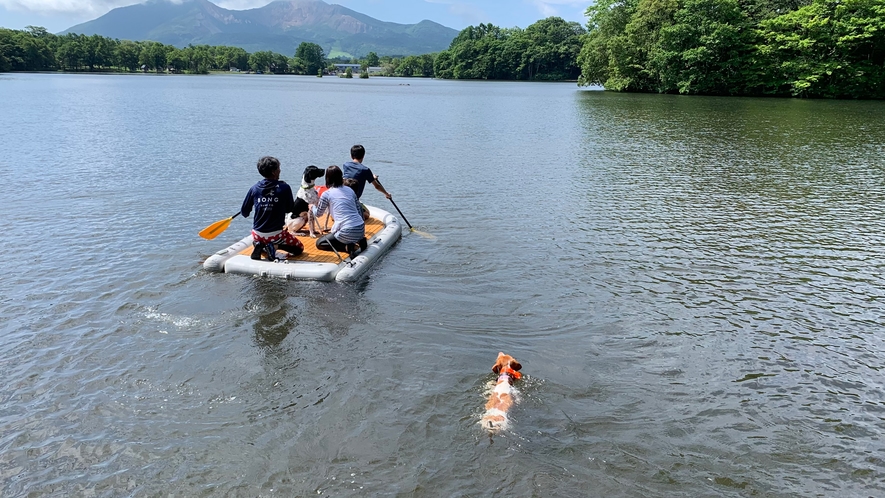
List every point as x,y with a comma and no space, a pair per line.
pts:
58,15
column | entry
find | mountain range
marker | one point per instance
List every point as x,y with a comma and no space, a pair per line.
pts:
279,26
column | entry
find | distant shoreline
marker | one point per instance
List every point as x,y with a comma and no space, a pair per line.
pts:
249,73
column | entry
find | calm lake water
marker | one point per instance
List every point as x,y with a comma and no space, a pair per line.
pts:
694,287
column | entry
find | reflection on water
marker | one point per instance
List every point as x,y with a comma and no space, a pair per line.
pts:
749,236
692,285
275,317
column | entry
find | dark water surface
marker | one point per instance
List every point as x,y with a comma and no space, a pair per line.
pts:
694,287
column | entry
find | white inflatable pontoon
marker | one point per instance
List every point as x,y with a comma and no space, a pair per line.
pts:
383,230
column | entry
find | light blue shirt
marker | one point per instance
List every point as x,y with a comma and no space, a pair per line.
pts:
349,226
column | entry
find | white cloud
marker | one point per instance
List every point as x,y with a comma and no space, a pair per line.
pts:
467,12
545,8
570,10
242,4
82,7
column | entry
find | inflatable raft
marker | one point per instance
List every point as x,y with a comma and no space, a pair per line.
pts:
383,230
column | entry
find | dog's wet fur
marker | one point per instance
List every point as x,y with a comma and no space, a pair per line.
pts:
502,394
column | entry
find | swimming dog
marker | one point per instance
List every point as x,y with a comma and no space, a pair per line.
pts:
503,394
305,196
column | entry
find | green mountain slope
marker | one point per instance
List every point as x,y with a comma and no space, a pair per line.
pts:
278,26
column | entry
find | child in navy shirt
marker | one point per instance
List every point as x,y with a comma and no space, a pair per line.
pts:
272,199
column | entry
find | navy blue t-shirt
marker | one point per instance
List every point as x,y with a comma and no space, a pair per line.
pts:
272,199
359,173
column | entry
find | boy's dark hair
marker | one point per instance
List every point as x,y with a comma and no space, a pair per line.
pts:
334,177
357,152
267,165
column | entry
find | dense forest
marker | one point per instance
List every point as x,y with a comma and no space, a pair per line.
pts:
35,49
546,50
803,48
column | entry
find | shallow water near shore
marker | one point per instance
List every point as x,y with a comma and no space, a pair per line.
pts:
694,287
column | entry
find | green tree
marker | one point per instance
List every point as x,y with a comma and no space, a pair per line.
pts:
551,49
98,51
261,61
705,49
409,66
198,59
443,65
279,64
474,53
805,48
312,57
830,48
176,59
152,56
126,55
603,58
760,10
7,44
372,60
643,43
227,58
70,52
297,65
38,32
25,51
426,63
548,49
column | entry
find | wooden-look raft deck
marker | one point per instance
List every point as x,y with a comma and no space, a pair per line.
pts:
314,255
383,230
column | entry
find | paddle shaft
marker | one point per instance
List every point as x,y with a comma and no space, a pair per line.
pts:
401,214
397,208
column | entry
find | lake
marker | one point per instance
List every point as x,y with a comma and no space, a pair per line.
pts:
693,285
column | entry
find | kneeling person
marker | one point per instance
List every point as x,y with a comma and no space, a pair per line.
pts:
272,199
350,182
349,230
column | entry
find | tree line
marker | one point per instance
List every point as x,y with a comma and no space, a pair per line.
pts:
802,48
35,49
546,50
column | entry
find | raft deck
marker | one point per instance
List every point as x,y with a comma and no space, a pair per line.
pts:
383,230
313,255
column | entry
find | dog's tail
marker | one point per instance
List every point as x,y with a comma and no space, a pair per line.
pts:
494,420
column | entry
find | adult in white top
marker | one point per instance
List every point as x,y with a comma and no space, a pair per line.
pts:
349,230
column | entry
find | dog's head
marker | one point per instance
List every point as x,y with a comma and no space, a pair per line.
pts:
311,173
507,364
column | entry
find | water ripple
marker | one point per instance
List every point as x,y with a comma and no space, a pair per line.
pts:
693,287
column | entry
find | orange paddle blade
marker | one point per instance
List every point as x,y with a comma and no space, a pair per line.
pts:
213,230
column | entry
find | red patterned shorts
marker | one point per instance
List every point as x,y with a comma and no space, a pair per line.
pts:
284,236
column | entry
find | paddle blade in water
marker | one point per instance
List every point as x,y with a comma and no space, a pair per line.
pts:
213,230
424,234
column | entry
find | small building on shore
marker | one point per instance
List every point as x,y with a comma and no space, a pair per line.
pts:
354,68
